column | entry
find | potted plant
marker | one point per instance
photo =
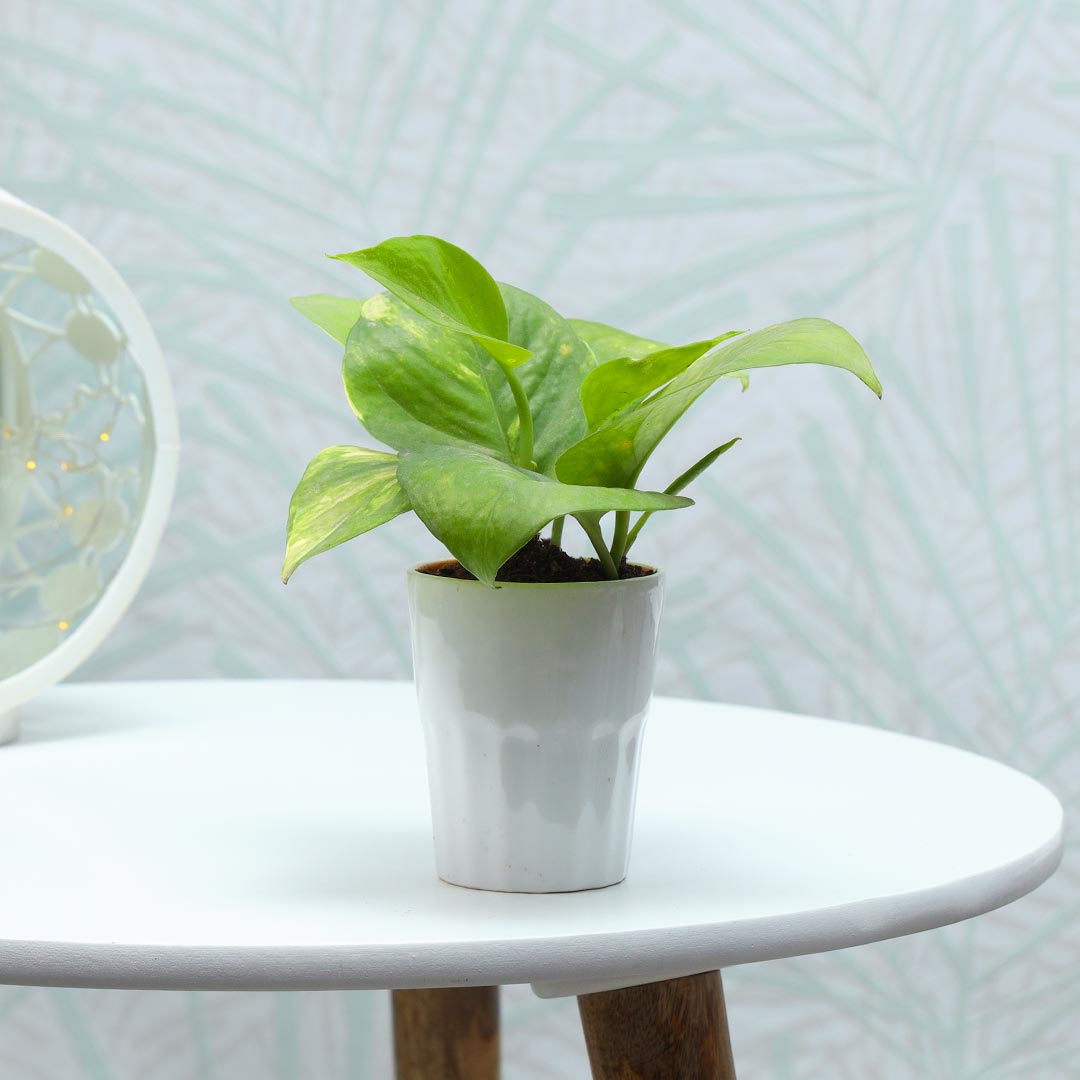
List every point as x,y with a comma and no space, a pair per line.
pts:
533,669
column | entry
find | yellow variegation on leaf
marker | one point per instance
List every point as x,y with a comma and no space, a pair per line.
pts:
345,491
508,416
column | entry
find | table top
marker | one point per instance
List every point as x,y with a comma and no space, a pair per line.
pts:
273,835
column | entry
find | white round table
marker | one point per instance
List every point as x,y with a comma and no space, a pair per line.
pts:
275,835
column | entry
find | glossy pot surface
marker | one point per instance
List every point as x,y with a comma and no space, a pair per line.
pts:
533,700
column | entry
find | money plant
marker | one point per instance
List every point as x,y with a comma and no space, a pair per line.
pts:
503,417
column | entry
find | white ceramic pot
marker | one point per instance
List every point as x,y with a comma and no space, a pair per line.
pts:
533,700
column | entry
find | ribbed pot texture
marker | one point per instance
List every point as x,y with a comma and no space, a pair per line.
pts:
533,701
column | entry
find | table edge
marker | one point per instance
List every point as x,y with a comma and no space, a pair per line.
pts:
555,966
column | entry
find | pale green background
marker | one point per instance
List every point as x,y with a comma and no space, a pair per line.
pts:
908,168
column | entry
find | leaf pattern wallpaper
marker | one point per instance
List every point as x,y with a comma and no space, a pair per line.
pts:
910,168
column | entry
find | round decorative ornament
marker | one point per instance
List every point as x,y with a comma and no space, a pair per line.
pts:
88,451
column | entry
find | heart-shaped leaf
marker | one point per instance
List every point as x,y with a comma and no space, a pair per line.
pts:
613,455
483,510
444,284
334,314
414,383
622,381
345,491
552,377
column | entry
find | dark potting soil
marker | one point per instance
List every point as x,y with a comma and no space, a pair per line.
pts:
540,561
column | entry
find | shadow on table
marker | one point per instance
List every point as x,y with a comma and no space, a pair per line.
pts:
330,861
49,721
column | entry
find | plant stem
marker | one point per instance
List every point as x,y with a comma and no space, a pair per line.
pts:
618,539
556,531
592,531
629,543
525,422
674,488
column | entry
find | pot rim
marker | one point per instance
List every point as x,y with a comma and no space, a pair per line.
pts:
643,581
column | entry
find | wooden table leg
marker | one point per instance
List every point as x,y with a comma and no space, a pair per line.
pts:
674,1030
447,1034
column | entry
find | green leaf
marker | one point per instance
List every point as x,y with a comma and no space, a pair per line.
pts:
613,455
610,343
345,491
631,367
552,377
444,284
334,314
483,510
414,383
622,381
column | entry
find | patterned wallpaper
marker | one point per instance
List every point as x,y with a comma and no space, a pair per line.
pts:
907,167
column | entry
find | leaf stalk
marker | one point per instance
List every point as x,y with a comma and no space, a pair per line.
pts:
596,536
618,539
525,421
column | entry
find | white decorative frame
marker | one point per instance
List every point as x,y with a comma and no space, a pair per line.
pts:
20,218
